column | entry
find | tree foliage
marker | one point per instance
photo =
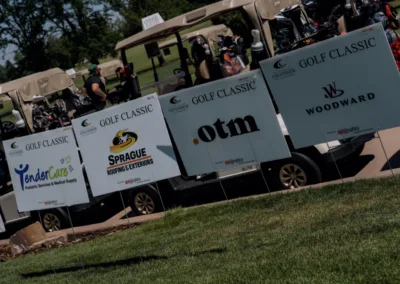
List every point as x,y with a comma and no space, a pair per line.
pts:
132,11
54,33
23,25
85,27
61,33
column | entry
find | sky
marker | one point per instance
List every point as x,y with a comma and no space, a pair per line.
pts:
9,52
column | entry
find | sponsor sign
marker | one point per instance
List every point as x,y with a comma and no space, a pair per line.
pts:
126,146
45,170
340,88
225,124
70,72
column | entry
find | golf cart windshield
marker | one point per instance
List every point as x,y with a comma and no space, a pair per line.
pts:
196,54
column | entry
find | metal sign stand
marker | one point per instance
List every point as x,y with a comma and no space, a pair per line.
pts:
333,158
384,151
266,183
219,180
73,232
45,238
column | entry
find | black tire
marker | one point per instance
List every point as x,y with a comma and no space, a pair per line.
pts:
148,197
54,220
308,172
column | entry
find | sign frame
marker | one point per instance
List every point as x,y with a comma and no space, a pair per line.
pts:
233,138
139,149
40,187
327,91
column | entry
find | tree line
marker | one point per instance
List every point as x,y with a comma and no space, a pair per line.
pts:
61,33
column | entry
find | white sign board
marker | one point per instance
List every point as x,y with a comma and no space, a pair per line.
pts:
70,72
151,21
45,170
340,88
225,124
126,146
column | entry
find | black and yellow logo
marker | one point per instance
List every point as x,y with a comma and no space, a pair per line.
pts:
123,140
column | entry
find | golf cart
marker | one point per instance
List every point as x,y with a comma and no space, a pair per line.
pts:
305,166
36,103
108,69
167,85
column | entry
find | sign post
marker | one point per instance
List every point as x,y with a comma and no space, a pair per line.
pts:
337,89
45,170
212,124
126,146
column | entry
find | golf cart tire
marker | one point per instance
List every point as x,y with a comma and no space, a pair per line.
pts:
310,168
149,192
57,213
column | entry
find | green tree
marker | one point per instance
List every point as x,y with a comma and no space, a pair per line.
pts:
133,11
22,25
85,26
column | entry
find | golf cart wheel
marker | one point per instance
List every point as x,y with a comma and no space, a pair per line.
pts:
145,201
295,172
53,220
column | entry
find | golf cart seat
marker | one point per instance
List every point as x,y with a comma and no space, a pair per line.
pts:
202,72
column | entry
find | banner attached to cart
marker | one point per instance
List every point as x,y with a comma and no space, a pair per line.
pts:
45,170
340,88
126,146
225,124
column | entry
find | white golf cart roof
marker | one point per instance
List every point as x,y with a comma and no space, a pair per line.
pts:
267,9
107,69
23,90
16,84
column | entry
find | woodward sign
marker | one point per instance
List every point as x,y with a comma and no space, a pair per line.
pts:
225,124
126,146
45,170
343,87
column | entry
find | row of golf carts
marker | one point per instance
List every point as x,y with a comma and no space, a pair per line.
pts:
50,99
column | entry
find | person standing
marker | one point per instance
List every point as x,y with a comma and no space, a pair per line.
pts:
95,88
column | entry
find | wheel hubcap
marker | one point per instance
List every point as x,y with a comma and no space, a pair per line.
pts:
51,222
292,176
144,203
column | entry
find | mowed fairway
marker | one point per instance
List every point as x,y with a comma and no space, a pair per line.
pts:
347,233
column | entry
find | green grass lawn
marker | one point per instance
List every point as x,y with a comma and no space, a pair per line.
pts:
339,234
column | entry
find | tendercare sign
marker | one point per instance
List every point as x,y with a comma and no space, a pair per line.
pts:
126,146
342,87
225,124
45,170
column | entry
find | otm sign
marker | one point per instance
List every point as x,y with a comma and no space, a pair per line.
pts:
343,87
225,124
126,146
45,170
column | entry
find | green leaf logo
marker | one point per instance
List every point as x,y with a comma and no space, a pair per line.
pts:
85,123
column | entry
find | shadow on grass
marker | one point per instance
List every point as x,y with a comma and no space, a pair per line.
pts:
113,264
